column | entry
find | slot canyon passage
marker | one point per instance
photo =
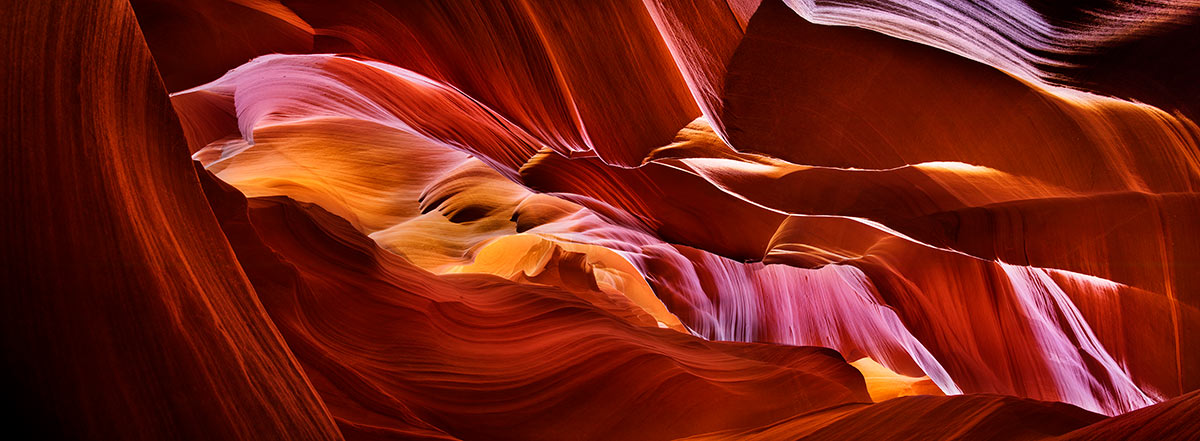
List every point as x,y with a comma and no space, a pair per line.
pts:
602,219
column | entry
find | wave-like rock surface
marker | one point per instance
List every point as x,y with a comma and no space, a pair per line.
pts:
477,356
889,247
368,330
529,219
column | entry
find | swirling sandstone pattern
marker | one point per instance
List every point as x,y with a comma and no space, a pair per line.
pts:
667,219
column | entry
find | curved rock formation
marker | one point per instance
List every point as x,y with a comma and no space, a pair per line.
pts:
925,212
528,219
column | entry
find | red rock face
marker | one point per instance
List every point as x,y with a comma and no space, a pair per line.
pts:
654,220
